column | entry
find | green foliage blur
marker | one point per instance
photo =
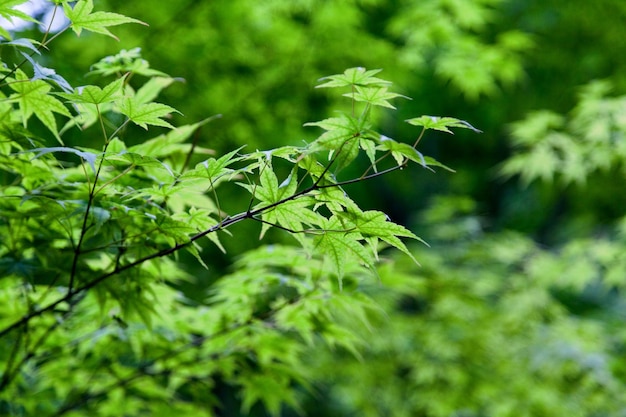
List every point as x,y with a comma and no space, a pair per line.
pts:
518,306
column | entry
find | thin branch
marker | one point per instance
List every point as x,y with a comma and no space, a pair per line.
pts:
286,229
366,177
419,138
90,199
43,45
115,178
227,222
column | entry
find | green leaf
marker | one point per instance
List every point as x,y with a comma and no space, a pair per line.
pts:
341,245
201,220
214,170
176,229
400,151
354,77
341,138
5,33
268,189
123,62
293,215
135,159
369,146
92,94
171,142
432,162
346,154
25,43
33,98
376,96
145,114
441,123
376,225
82,17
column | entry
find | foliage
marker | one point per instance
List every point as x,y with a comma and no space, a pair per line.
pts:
493,322
592,139
490,325
96,237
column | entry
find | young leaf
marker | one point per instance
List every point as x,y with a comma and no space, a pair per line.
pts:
346,154
400,151
82,17
25,43
354,77
376,225
369,146
123,62
213,170
33,98
171,142
441,123
145,114
293,215
95,95
432,162
175,229
201,220
340,136
376,96
339,245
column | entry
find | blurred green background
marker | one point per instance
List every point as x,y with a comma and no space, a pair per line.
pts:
518,308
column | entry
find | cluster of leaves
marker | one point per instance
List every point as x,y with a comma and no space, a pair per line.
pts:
490,325
593,138
94,241
450,33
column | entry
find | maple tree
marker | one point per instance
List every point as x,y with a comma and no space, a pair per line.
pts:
94,237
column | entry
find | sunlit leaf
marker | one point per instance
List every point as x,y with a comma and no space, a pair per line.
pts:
354,77
95,95
441,123
33,98
143,114
82,17
376,96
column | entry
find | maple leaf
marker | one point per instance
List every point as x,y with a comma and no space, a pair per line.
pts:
95,95
376,96
144,114
442,124
33,98
375,225
83,17
341,245
354,77
294,215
